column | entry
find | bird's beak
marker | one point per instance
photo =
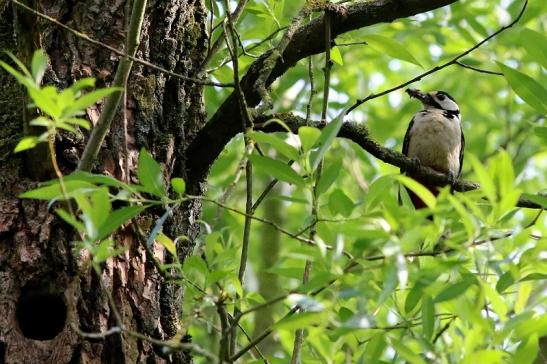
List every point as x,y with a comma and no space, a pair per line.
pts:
425,98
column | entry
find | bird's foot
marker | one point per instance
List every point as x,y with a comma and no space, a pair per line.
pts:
416,164
451,177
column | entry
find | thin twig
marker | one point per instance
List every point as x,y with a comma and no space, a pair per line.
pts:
438,68
266,71
118,52
247,126
250,48
231,18
480,70
350,266
360,135
268,222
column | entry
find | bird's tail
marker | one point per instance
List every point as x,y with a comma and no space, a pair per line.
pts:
417,201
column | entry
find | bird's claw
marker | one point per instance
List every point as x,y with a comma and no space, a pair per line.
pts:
451,177
416,164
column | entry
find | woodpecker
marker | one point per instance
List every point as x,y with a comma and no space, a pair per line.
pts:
434,138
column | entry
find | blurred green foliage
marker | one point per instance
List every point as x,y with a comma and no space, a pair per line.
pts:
466,287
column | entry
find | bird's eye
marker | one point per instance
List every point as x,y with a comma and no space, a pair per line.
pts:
441,97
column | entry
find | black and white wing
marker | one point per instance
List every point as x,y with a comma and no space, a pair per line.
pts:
462,147
406,141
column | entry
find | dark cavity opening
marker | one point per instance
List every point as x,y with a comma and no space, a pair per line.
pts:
41,313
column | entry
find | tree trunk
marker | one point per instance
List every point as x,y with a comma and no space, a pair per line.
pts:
47,293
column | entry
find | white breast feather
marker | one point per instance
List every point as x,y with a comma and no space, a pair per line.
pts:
436,141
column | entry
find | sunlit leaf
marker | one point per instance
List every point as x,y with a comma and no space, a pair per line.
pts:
325,140
179,186
167,243
454,290
407,353
428,317
277,143
308,137
89,99
531,91
277,169
53,191
336,55
298,320
535,44
391,47
150,174
340,203
38,65
26,143
422,192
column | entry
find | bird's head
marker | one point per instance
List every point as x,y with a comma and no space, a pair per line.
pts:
435,100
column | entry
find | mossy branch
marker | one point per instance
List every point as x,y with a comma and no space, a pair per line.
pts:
120,79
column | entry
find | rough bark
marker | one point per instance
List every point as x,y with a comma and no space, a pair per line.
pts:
46,291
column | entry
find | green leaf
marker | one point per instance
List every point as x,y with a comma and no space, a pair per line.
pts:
150,174
487,356
535,44
527,351
428,317
38,65
117,218
101,207
407,353
340,203
277,143
329,175
496,301
179,186
167,243
53,191
89,99
68,218
541,131
505,281
99,179
390,281
25,80
392,48
540,200
325,140
336,56
277,169
308,136
80,122
375,348
454,290
413,297
46,100
26,143
298,320
422,192
531,91
86,82
486,182
104,251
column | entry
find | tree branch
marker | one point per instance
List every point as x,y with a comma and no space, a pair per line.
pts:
307,40
444,65
359,134
112,102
